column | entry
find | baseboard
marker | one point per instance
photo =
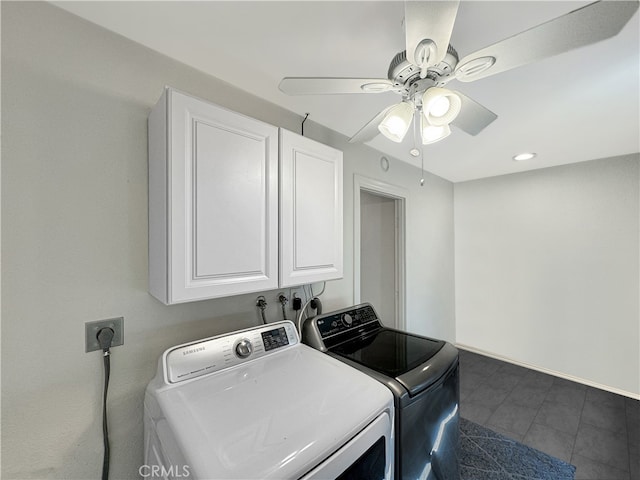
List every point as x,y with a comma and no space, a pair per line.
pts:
549,372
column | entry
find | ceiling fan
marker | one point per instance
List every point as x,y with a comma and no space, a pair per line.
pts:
420,73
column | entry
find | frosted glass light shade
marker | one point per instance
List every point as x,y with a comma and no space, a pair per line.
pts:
433,133
440,106
396,123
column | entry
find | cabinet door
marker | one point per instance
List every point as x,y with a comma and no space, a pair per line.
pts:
310,211
221,207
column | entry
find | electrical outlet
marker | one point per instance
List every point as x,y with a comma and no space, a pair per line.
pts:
91,330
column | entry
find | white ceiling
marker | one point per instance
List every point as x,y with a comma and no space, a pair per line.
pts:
578,106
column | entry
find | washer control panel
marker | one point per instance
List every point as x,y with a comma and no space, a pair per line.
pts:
210,355
344,320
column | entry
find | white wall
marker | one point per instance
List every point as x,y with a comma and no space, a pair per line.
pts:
429,230
547,269
75,100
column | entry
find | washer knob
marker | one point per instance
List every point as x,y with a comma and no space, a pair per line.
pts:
347,320
244,348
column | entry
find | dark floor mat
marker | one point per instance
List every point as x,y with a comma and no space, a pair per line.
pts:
487,455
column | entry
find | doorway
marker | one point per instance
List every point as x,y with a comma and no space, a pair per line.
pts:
379,249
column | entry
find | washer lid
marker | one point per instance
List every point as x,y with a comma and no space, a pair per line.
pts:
390,352
274,417
413,361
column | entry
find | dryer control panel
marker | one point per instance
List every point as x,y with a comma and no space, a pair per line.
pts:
210,355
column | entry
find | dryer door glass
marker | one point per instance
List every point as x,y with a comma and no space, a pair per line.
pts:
371,465
369,455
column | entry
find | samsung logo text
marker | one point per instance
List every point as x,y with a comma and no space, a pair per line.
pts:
193,350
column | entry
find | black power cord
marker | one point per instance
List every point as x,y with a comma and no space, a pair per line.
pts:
316,304
297,303
105,337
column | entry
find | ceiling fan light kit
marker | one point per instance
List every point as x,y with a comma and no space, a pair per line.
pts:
429,62
440,106
433,133
396,123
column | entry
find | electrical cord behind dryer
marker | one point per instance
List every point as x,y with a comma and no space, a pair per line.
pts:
316,304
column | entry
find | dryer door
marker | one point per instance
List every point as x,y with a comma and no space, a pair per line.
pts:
368,455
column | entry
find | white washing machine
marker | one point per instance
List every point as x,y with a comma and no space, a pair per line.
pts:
257,404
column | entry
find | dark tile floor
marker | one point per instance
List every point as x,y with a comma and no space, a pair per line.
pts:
595,430
487,455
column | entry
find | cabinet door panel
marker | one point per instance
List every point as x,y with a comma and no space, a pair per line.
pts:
310,211
314,218
229,201
213,204
227,215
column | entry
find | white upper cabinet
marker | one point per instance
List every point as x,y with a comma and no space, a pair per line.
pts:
213,201
310,211
215,184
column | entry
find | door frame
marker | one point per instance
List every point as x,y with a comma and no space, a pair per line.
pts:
399,195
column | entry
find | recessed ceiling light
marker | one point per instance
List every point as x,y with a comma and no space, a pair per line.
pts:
524,156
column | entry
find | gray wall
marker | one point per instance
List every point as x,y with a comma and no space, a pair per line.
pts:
75,100
547,269
378,254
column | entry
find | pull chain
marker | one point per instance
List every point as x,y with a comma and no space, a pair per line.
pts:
415,151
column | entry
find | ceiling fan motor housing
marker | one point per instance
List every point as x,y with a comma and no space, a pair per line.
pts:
403,73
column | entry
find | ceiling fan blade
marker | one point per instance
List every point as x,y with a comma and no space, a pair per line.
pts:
473,117
429,20
326,85
370,130
589,24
